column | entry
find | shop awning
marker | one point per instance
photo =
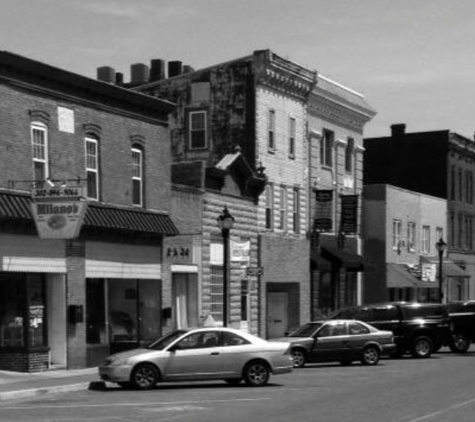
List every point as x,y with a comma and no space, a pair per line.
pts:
351,261
320,263
451,269
16,206
399,277
126,219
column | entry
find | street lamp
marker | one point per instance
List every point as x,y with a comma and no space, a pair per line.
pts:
225,223
440,245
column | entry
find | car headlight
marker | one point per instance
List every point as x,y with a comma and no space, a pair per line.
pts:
113,362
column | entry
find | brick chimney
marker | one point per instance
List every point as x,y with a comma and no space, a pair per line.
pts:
157,70
139,73
106,74
398,130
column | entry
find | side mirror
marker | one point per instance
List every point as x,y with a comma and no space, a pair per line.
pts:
174,348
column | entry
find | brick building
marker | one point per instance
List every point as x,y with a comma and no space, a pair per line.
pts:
400,228
69,299
257,103
336,119
437,163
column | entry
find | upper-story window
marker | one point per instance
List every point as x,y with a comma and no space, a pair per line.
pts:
269,206
92,168
460,185
350,147
271,131
452,183
396,233
469,187
197,129
411,236
326,148
296,211
283,208
425,239
137,176
39,140
292,134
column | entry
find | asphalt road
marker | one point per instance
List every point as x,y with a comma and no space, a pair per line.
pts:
439,389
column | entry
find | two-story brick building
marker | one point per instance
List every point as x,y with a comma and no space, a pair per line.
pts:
74,149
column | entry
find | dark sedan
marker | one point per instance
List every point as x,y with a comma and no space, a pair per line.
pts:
338,341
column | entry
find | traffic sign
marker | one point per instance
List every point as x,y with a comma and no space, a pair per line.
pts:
255,271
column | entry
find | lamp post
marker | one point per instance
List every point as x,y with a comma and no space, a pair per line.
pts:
225,223
440,245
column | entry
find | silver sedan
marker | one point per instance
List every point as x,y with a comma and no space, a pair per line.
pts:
199,354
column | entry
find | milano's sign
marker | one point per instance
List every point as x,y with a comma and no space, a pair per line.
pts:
58,212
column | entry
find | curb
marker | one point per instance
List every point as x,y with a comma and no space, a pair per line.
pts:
21,394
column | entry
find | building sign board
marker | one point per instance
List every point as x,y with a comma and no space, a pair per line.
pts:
240,251
58,212
179,250
428,271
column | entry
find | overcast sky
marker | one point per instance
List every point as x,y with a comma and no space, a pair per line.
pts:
414,60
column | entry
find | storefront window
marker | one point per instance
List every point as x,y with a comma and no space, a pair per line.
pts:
22,310
12,302
95,312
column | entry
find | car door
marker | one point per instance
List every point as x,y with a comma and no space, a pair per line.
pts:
196,357
331,343
235,352
358,336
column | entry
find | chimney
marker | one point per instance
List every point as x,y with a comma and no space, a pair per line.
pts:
119,79
106,74
157,70
174,68
398,130
139,73
187,69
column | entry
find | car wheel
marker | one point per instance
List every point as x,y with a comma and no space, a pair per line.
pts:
144,376
370,356
459,343
233,381
422,347
256,374
299,357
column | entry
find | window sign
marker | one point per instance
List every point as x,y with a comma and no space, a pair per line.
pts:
65,119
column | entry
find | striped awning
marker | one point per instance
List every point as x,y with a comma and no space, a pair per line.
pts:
16,206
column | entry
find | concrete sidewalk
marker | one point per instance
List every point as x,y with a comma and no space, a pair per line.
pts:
19,385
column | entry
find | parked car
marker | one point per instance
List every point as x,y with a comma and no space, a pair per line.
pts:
419,329
338,341
462,315
199,354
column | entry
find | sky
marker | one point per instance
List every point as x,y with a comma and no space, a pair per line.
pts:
413,60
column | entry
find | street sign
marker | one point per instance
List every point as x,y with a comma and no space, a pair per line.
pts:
255,271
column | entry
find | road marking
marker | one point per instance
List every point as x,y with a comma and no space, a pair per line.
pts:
173,403
440,412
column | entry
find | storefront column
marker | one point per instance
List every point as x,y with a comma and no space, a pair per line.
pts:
76,304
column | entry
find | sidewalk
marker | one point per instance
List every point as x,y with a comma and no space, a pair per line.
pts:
19,385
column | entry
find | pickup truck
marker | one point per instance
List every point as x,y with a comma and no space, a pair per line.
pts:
462,315
418,328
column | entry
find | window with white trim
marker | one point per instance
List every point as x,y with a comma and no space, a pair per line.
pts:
425,239
39,140
411,236
292,134
296,211
269,206
92,168
137,176
326,148
197,129
271,131
396,234
283,208
349,152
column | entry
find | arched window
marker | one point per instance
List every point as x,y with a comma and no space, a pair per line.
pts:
39,141
92,167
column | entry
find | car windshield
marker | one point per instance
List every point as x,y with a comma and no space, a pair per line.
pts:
306,330
164,341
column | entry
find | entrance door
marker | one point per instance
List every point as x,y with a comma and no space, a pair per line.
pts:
56,300
277,314
185,299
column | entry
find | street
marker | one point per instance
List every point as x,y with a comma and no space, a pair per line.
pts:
439,389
